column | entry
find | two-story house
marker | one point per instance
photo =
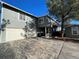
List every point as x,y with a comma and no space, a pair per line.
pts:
13,21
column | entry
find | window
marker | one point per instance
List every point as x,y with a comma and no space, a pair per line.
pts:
41,20
22,16
74,30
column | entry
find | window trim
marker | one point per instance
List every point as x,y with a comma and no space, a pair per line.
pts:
73,29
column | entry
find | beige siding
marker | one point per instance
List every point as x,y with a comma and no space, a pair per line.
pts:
3,36
9,14
13,17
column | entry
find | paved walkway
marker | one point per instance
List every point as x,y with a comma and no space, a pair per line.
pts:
39,49
70,51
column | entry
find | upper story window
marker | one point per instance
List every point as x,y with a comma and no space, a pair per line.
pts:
22,16
75,30
41,20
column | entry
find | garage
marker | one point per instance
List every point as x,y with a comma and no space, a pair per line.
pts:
14,34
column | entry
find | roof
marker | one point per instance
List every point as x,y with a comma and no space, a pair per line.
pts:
72,22
16,9
70,25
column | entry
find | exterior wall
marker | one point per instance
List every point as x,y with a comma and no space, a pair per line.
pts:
13,18
68,33
0,19
3,36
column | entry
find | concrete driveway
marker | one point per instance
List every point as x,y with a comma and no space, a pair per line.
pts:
39,49
70,51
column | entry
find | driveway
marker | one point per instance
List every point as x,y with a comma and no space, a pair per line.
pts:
39,49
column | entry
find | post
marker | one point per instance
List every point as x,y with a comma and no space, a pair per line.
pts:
45,32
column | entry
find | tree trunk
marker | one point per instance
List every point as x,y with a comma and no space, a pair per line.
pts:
62,28
62,22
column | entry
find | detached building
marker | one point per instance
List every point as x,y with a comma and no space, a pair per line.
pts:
13,21
72,30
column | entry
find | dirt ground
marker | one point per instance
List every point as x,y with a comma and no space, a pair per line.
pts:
39,49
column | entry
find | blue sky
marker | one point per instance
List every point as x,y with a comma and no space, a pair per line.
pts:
35,7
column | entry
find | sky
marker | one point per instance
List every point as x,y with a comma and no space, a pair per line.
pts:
35,7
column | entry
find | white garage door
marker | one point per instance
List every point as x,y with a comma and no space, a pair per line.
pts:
14,34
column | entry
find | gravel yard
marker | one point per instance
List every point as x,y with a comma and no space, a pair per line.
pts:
39,49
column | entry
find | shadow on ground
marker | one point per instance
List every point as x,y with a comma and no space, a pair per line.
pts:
6,52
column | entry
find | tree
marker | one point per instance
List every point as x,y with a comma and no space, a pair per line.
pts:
29,27
4,24
63,10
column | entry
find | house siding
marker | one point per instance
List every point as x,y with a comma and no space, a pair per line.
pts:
13,17
68,32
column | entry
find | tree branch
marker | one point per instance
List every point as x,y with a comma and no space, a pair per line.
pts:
68,12
73,5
